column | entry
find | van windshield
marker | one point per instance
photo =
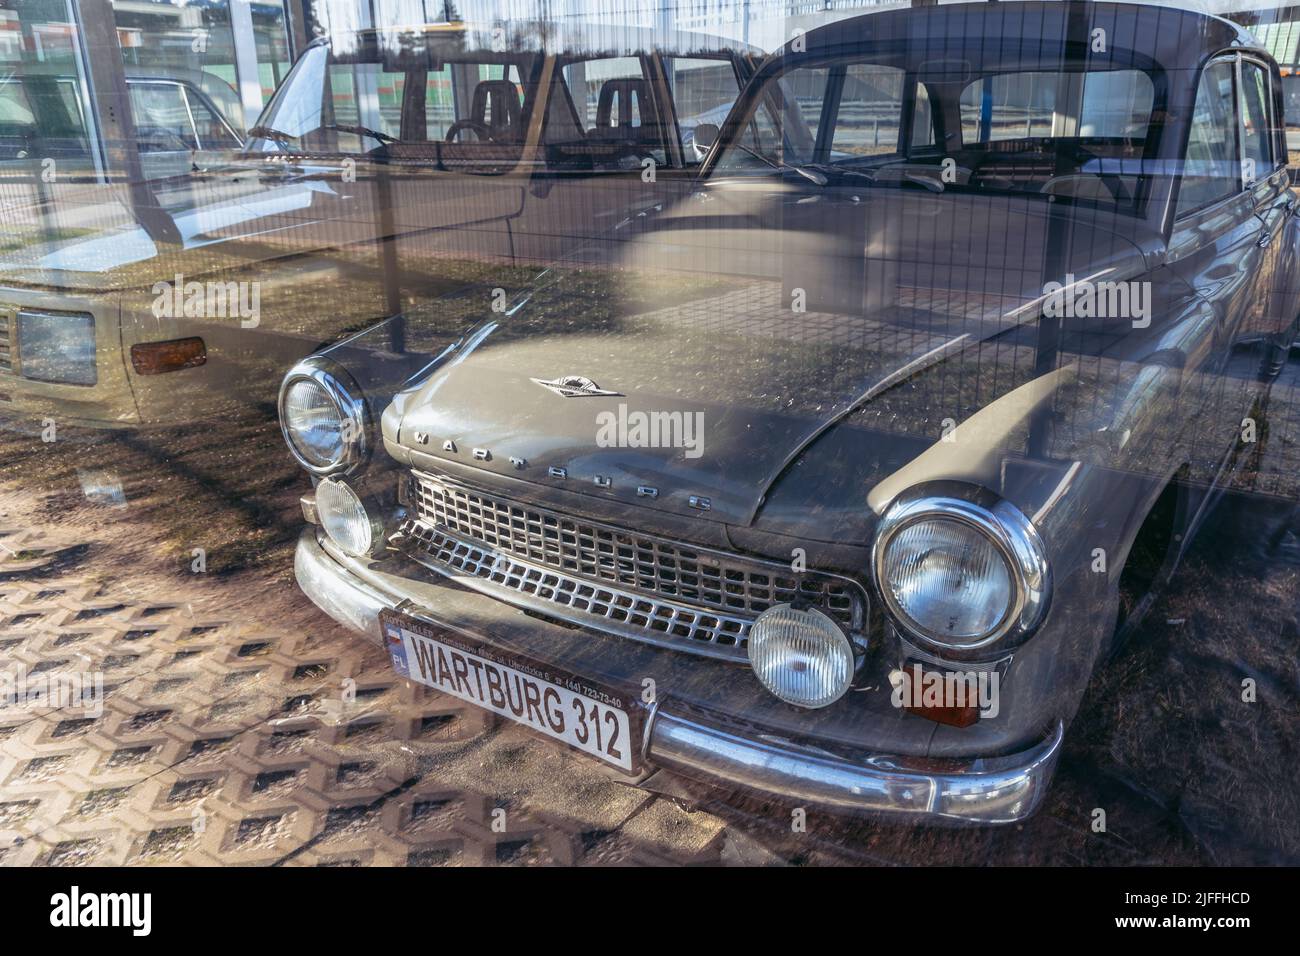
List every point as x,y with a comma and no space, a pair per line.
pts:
401,94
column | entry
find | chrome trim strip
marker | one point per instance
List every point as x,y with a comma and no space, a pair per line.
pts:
1001,790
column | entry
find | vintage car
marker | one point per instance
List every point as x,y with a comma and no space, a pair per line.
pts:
175,112
872,449
391,163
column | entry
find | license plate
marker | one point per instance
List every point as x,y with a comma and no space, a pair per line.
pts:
596,720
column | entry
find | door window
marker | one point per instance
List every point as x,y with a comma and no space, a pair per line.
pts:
1257,157
162,118
871,105
212,132
1211,169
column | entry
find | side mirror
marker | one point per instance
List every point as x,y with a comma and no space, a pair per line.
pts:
706,134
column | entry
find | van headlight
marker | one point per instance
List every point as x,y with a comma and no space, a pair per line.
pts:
323,417
57,347
960,574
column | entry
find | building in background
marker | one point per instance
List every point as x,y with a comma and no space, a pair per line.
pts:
80,79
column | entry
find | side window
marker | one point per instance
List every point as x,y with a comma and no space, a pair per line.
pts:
162,119
1257,129
1211,167
590,80
871,104
804,93
213,133
703,92
17,121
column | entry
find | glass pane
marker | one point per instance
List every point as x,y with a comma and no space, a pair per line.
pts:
42,114
271,37
871,105
922,119
1008,106
587,78
615,103
182,41
703,91
212,131
1211,166
162,119
1258,158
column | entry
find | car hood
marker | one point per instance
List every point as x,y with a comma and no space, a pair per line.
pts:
716,362
250,211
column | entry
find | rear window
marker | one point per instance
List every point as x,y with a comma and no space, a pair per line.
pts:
1114,104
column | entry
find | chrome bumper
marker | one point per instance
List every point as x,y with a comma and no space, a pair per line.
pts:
980,790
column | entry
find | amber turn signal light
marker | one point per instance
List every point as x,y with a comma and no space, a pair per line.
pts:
927,694
154,358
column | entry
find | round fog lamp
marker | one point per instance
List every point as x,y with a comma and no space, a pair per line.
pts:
800,655
344,517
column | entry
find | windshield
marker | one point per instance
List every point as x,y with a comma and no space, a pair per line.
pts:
361,93
1076,134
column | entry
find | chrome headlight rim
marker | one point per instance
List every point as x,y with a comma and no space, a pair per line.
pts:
344,392
1013,536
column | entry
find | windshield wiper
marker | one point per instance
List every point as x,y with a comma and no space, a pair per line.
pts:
809,173
362,131
268,132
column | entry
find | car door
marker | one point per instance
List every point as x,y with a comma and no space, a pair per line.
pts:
1265,157
1218,245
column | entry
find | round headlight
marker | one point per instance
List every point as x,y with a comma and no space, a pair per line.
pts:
323,419
960,576
343,515
800,655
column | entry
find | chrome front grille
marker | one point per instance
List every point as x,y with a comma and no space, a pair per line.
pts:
6,342
630,583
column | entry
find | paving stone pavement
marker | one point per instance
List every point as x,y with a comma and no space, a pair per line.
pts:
219,742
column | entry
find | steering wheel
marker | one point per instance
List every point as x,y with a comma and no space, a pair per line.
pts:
480,130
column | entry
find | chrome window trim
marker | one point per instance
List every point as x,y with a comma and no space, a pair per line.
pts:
1014,536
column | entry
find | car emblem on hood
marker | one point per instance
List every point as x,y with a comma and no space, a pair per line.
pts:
574,386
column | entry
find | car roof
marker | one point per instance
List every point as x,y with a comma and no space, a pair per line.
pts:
1173,37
